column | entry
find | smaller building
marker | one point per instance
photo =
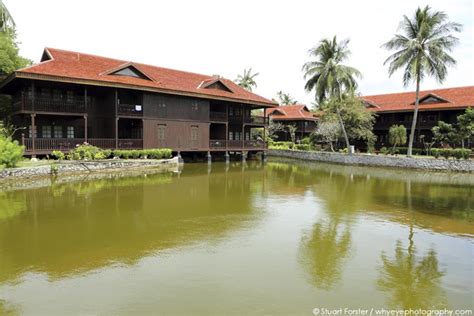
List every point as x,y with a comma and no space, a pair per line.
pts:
298,115
435,105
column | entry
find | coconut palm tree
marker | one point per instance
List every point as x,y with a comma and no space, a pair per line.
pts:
247,80
285,98
6,20
328,76
422,49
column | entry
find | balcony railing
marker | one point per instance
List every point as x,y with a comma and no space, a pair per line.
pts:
218,116
130,143
130,110
254,144
217,144
64,144
256,120
73,104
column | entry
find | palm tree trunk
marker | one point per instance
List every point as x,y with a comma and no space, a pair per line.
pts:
415,115
343,130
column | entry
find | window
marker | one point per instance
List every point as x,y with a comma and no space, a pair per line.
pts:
195,105
231,136
70,132
46,131
58,131
247,136
57,95
30,132
194,133
162,105
161,131
70,96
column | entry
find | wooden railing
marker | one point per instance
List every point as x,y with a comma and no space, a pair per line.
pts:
256,120
254,144
129,110
130,143
218,116
64,144
42,144
104,143
73,104
217,143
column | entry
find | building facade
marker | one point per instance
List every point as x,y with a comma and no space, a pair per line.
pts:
435,105
70,98
297,115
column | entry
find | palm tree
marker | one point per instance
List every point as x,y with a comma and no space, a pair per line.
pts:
247,80
328,77
285,98
422,50
6,20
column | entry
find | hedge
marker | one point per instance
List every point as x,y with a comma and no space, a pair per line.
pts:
458,153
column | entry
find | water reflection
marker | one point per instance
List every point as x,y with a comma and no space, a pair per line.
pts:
79,226
235,233
410,280
324,251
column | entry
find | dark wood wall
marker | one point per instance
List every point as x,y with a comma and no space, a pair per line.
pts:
175,107
183,135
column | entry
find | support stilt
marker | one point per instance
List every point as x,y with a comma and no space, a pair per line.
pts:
227,157
180,159
209,157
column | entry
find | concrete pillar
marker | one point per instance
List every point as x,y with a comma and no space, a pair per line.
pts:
227,157
244,156
264,156
180,159
209,157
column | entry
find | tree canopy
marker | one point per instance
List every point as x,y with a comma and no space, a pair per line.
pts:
422,49
247,79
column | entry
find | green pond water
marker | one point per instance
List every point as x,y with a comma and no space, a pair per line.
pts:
283,237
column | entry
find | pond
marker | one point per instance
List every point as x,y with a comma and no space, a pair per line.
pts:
284,237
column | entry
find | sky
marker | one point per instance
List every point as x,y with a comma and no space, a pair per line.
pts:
224,37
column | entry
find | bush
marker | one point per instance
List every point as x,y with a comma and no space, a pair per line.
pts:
306,141
57,154
305,147
384,151
158,153
85,152
10,152
436,152
446,153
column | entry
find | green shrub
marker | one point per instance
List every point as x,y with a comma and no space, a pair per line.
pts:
457,153
57,154
436,152
306,141
85,152
10,152
446,153
384,151
305,147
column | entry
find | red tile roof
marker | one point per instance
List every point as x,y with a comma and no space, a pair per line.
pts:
95,70
291,113
450,98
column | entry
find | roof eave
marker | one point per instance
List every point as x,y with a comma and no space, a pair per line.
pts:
26,75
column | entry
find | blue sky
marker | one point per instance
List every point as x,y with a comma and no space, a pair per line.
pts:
224,37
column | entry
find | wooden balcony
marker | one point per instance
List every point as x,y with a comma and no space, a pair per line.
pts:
217,144
218,116
47,145
130,110
73,105
258,120
419,124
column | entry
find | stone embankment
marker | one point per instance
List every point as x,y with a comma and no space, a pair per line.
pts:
85,167
427,163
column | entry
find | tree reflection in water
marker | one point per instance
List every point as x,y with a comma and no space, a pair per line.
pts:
324,252
411,281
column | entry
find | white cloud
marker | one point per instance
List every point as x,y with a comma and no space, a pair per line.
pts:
224,37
